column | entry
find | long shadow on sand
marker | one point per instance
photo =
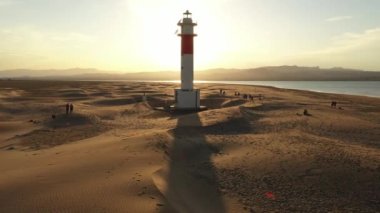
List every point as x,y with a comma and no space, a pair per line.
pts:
189,183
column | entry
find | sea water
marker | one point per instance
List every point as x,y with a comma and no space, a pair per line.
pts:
364,88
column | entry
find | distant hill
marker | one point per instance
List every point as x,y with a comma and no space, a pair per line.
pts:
289,73
272,73
17,73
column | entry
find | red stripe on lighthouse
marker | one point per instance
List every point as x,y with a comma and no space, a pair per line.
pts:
187,44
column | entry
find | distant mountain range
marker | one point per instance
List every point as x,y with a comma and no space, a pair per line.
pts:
272,73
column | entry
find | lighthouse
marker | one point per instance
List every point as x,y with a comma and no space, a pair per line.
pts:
187,97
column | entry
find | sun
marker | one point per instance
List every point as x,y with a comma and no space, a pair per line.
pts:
155,39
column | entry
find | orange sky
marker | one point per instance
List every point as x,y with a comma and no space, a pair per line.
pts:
138,35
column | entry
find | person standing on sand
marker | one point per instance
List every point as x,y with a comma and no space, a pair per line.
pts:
71,108
67,108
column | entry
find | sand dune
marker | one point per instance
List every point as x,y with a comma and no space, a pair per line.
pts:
116,153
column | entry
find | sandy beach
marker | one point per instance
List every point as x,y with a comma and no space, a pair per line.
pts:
117,153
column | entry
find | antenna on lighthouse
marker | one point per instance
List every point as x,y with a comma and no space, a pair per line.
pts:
187,14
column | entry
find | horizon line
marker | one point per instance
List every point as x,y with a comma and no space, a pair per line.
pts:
217,68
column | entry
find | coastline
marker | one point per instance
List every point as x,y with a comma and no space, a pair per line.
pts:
278,84
373,92
367,91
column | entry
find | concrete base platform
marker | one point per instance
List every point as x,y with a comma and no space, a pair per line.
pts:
187,99
173,108
200,108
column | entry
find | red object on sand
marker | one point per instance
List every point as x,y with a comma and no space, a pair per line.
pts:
270,195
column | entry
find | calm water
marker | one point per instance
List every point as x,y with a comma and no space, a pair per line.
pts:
366,88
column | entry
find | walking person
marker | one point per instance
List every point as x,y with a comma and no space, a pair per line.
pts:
67,108
71,108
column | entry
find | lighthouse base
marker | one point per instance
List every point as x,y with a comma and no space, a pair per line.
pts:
187,99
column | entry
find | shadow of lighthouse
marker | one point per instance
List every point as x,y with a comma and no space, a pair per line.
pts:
190,179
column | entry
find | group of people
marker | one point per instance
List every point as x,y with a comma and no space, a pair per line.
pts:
249,96
334,105
69,108
245,96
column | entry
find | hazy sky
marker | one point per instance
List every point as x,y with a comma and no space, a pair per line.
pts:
138,35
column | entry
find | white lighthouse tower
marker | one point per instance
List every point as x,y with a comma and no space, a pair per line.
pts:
187,97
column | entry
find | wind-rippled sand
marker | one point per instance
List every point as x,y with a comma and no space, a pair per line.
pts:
116,153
